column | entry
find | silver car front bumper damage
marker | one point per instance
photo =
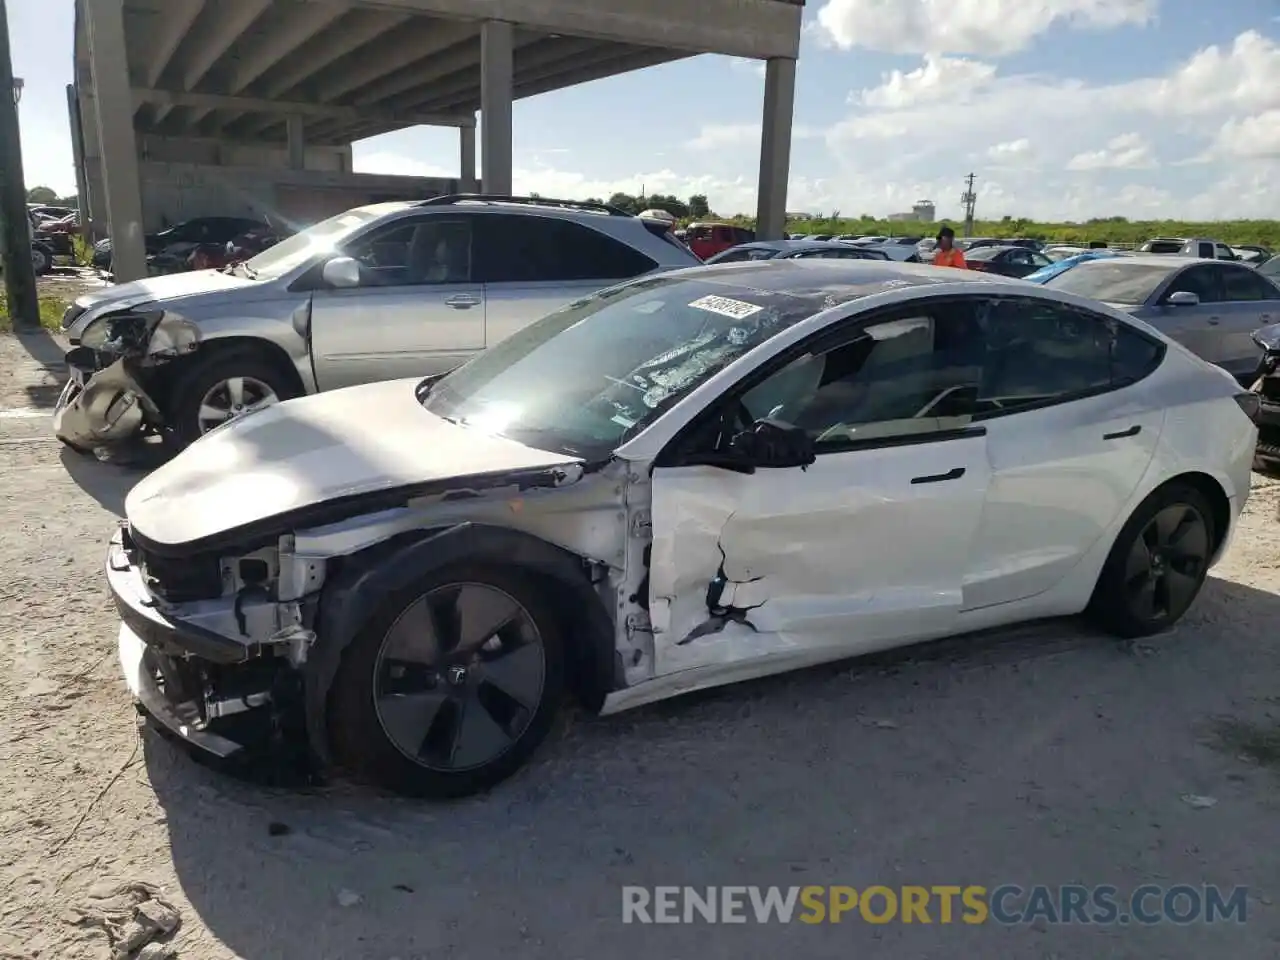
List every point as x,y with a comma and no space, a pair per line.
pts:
101,408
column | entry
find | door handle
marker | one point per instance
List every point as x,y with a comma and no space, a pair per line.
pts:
463,301
1131,432
955,473
1213,321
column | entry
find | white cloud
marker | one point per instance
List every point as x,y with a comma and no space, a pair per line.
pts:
1129,151
1010,150
988,27
938,78
1254,138
719,136
747,65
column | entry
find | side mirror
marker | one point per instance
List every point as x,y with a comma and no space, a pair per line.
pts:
343,273
1183,298
773,443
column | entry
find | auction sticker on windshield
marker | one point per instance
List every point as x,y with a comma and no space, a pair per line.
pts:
726,307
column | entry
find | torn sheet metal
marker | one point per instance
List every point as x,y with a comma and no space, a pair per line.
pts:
781,564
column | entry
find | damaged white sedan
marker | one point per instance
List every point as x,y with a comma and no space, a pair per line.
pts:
680,482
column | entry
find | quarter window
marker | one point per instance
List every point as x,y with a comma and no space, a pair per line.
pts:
532,249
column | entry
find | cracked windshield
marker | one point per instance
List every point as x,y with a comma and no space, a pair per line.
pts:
584,379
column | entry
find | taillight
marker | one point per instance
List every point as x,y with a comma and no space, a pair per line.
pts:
1250,403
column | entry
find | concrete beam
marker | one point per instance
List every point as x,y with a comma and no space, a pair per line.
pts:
565,58
412,45
465,56
233,18
114,107
759,29
775,148
363,26
265,51
466,79
295,137
176,22
213,101
497,65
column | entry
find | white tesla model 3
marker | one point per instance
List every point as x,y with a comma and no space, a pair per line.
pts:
683,481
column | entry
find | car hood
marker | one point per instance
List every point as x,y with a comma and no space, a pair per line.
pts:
313,450
174,286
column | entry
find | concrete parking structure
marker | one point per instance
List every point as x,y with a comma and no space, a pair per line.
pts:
285,86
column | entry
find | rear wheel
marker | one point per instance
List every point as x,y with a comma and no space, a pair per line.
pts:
41,259
1158,564
451,690
222,388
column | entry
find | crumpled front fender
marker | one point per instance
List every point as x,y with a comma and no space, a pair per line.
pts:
109,408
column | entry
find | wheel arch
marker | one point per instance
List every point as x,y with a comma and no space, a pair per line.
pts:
1215,493
349,599
259,347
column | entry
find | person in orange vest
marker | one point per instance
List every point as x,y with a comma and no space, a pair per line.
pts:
948,254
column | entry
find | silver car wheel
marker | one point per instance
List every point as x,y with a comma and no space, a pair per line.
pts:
233,398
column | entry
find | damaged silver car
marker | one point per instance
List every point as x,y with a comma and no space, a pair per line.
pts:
687,480
378,292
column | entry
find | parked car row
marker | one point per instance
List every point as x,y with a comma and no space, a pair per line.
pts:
570,457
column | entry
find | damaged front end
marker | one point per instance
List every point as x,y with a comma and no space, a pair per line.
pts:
214,674
104,402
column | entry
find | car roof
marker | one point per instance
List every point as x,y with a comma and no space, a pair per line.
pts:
781,245
826,283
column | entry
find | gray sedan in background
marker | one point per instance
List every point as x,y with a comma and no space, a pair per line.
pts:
1210,307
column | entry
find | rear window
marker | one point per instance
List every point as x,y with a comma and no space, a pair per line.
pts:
1113,281
1162,246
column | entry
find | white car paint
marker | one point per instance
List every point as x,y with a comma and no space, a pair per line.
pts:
840,558
311,450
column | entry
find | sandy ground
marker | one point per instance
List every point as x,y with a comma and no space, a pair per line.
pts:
1041,755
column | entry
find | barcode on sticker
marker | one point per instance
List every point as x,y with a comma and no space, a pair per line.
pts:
726,307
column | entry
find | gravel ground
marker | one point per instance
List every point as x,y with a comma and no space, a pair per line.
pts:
1045,754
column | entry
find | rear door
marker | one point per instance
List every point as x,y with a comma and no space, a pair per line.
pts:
532,265
1068,441
417,311
1249,302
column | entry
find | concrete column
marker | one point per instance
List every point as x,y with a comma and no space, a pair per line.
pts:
119,148
77,154
496,91
295,128
467,147
775,147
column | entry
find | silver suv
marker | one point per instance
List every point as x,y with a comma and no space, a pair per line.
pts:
376,293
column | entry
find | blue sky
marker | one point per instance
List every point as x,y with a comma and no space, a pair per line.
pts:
1065,109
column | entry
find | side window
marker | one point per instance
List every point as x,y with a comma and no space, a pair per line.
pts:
1206,250
532,249
1245,284
1037,352
1018,256
1202,281
426,250
912,373
1223,252
738,256
1040,260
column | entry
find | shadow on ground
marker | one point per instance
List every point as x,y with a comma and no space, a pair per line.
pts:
1045,754
107,483
48,355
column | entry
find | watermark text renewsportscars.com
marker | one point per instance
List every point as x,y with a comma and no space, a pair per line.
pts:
1007,904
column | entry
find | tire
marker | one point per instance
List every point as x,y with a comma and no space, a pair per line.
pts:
360,741
1116,605
41,259
197,381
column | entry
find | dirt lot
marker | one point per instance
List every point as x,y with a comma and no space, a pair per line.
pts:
1043,755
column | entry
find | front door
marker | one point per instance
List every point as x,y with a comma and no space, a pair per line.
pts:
1249,302
1195,327
416,312
863,549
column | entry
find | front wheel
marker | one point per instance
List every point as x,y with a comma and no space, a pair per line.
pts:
453,687
41,259
222,388
1157,565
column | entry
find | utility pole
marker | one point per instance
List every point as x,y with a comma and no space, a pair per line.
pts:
15,226
969,198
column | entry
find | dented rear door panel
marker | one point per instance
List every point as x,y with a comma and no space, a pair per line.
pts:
860,551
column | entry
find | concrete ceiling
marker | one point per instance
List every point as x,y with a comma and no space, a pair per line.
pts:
239,68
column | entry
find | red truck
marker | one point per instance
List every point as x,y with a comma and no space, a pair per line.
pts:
708,239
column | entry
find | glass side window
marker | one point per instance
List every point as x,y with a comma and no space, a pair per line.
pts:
1246,284
939,367
1202,281
531,249
426,250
